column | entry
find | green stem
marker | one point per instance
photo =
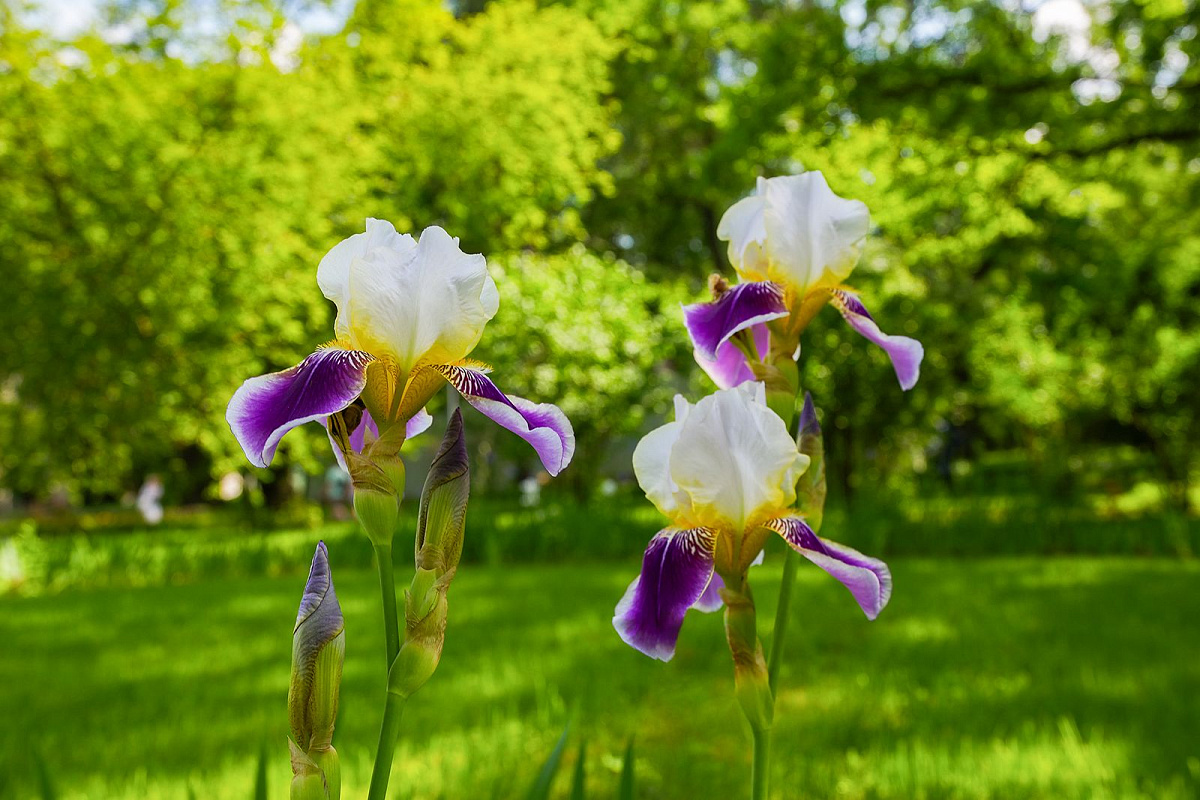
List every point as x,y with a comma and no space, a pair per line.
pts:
389,733
782,613
387,585
762,759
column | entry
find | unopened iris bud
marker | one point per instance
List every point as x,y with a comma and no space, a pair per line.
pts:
440,527
751,682
810,489
443,514
318,651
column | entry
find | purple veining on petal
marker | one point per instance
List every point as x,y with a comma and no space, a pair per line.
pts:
543,425
730,368
868,579
905,353
712,324
676,570
263,409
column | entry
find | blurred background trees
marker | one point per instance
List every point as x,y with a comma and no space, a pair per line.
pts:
169,180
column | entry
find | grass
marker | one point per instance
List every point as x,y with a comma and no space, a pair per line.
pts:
212,544
1005,677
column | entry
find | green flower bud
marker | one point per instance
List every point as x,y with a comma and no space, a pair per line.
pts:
318,652
443,515
751,682
440,527
810,489
376,501
308,779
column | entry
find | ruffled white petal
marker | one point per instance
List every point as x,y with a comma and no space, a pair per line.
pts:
333,273
742,226
723,462
813,237
428,304
651,459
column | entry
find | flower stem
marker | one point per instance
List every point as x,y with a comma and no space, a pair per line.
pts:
389,733
387,585
759,773
782,613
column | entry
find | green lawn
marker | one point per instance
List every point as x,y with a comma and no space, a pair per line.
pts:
1008,678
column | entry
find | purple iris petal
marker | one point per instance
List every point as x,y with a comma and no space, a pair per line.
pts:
543,425
730,368
263,409
676,569
710,600
712,324
868,579
419,423
905,353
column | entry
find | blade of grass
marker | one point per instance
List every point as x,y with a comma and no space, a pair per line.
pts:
45,785
540,790
260,777
578,790
626,790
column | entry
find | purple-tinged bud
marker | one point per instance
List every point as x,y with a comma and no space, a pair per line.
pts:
318,652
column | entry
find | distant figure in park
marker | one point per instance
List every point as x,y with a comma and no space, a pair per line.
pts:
149,500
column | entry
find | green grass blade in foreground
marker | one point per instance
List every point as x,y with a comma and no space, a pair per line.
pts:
578,781
45,785
626,790
540,790
260,775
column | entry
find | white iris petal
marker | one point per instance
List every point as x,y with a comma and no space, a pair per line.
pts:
416,301
725,460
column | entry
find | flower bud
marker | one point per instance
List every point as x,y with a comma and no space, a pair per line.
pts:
318,651
443,514
751,682
440,526
810,488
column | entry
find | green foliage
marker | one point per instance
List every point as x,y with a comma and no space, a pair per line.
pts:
592,334
1035,195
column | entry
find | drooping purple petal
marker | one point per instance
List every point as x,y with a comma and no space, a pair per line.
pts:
905,353
868,579
543,425
263,409
730,368
712,324
676,570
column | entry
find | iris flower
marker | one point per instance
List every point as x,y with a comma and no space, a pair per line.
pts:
409,312
724,473
793,242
